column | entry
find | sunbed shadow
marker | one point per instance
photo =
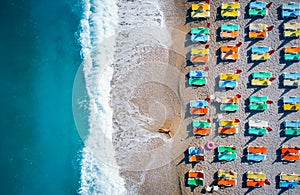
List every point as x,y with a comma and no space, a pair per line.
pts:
286,89
217,106
247,38
252,137
188,41
284,112
215,182
189,19
186,176
190,131
284,42
282,61
219,38
217,88
278,156
287,137
218,54
219,17
244,158
215,121
185,158
187,111
249,86
216,159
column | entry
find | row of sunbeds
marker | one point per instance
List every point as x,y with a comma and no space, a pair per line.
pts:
231,10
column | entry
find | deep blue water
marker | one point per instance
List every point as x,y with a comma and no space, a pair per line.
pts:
39,59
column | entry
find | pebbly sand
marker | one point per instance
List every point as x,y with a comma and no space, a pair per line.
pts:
170,178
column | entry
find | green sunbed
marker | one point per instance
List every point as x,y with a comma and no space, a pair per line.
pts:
254,12
229,27
227,149
291,131
201,124
230,107
258,106
257,131
291,56
197,81
258,98
227,156
200,31
262,75
195,182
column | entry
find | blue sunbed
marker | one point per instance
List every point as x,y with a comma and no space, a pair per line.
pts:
290,13
199,38
256,157
227,84
291,99
292,124
260,49
198,104
197,74
288,184
258,5
291,75
291,6
195,151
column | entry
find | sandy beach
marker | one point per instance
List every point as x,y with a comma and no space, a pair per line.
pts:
171,96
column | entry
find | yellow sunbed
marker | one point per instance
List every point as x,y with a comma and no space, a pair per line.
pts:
256,176
264,56
195,51
291,82
200,7
226,174
230,13
257,27
291,25
230,6
290,33
229,76
204,14
224,123
260,82
291,106
290,177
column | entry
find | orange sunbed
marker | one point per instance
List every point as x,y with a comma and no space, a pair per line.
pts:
230,100
252,149
230,34
198,110
201,131
228,131
290,157
230,56
292,50
226,182
257,34
193,174
199,58
253,183
196,158
226,48
289,150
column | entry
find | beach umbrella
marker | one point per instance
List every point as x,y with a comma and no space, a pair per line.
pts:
206,68
238,71
207,1
237,120
269,129
267,181
297,148
269,102
238,44
208,120
271,51
269,28
269,5
231,172
208,25
234,147
206,46
272,79
207,99
238,95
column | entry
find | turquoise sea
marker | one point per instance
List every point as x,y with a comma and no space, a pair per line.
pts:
40,146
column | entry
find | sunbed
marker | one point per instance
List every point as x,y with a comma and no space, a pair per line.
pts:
227,130
201,30
201,7
201,124
290,10
196,151
227,149
291,107
257,131
197,81
262,75
258,123
226,34
228,84
289,123
197,74
229,76
258,35
258,8
288,184
199,111
255,157
228,123
195,182
227,156
292,49
227,182
260,150
285,150
199,59
292,131
229,107
201,14
229,48
290,157
291,79
256,176
196,158
292,56
289,177
258,106
253,183
201,131
200,38
198,103
227,174
291,99
260,56
229,100
196,174
229,56
258,27
292,33
260,82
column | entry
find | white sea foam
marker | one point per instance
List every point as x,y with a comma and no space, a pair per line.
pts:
99,171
